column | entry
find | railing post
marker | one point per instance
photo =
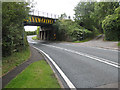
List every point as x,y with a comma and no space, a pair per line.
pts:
38,13
47,14
51,15
55,16
43,14
33,12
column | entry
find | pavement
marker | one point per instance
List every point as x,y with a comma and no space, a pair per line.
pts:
85,65
100,43
35,56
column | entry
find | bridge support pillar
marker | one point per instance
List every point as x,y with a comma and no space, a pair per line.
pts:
48,35
41,35
44,35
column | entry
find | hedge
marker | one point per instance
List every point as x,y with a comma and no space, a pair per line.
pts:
111,27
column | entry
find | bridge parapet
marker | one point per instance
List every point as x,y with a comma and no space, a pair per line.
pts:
43,14
38,21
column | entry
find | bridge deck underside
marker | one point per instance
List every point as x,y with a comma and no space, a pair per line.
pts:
38,24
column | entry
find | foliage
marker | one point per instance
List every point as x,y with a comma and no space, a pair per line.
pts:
70,31
85,40
111,26
82,14
14,37
37,31
31,32
35,38
117,10
63,16
37,75
101,10
91,14
118,44
14,60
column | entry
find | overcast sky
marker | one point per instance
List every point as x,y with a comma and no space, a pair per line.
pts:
55,7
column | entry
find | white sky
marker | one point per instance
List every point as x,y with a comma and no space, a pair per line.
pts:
55,7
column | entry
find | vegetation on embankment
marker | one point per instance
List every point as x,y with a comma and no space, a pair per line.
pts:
85,40
30,32
15,48
68,30
35,38
111,26
14,36
99,17
118,44
14,60
36,75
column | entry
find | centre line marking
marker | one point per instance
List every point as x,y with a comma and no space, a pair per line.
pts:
114,64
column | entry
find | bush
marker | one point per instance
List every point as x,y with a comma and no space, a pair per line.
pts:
111,26
80,34
87,34
69,30
117,10
31,32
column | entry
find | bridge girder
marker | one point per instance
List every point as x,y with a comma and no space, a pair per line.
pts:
38,21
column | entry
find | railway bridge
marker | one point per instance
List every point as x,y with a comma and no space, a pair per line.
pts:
46,30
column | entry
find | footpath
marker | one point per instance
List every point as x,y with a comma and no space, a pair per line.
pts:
100,43
35,56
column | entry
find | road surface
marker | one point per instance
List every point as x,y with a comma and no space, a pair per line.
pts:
85,67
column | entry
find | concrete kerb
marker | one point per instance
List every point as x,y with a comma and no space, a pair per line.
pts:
46,59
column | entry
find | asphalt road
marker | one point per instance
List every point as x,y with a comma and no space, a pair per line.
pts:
85,67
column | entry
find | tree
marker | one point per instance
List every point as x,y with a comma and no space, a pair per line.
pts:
91,14
111,26
63,16
82,14
101,10
13,15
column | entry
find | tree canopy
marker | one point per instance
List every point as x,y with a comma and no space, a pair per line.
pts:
91,14
13,36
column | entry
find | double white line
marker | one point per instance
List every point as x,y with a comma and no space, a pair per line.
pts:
109,62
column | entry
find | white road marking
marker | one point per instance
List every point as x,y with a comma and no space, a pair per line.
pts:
32,42
89,56
69,83
94,47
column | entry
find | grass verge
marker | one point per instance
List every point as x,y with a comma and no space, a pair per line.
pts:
118,44
88,39
36,75
35,38
14,60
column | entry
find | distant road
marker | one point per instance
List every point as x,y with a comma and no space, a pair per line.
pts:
85,67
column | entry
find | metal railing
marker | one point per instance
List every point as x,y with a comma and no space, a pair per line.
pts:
43,14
